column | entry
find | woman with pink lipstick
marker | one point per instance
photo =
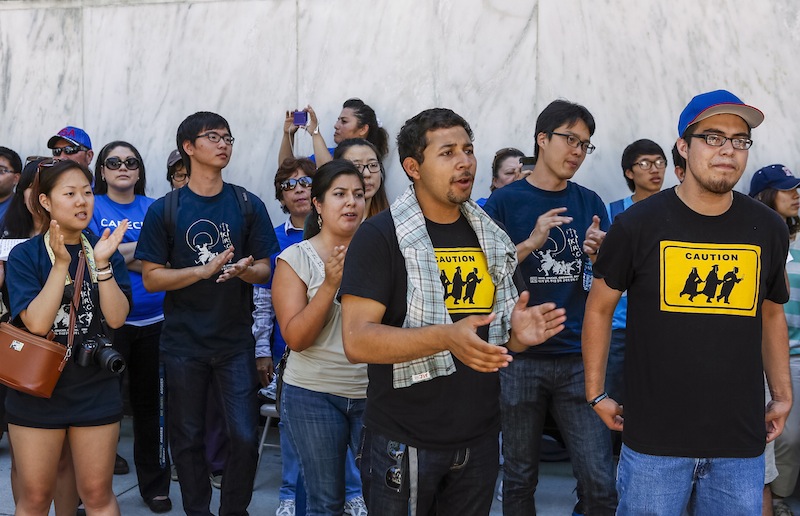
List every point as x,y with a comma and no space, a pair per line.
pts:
119,183
364,155
324,394
86,406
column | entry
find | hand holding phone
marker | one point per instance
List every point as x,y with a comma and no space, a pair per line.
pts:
300,118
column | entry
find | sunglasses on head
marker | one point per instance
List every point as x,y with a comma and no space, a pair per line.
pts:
114,163
69,150
290,184
44,161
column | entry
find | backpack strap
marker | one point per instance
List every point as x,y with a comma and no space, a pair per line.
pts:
170,219
245,208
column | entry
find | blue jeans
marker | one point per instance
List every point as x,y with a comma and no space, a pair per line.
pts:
290,470
529,387
427,481
322,426
234,376
655,485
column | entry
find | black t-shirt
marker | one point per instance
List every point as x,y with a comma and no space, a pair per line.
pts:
445,412
693,369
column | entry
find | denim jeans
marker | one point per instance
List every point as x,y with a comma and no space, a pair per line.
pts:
139,345
664,486
322,426
529,387
187,384
290,470
458,482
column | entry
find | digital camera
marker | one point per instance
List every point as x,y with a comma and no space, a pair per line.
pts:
98,350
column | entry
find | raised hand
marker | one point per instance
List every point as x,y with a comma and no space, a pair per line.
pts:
230,271
313,123
594,237
335,265
288,124
57,244
472,350
108,243
547,221
532,325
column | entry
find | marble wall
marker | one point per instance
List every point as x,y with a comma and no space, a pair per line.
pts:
133,69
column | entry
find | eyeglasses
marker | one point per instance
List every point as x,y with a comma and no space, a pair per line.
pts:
645,164
69,150
394,475
180,176
290,184
373,166
717,140
4,171
574,141
114,163
215,137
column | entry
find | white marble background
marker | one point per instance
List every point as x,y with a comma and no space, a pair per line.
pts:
133,69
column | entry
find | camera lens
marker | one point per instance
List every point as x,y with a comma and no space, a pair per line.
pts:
110,359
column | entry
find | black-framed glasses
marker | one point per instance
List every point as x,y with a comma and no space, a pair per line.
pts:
373,166
4,171
291,184
179,176
114,163
69,150
215,137
645,164
574,141
717,140
394,475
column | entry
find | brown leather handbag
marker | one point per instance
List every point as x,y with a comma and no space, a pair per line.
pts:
33,364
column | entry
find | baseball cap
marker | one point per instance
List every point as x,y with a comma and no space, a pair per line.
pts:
74,135
173,158
776,176
715,103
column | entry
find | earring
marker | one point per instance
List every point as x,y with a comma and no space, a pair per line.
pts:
319,221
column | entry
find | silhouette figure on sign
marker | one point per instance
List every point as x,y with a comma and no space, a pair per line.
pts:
472,284
712,281
458,286
690,288
445,282
728,282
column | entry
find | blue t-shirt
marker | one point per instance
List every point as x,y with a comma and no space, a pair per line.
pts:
147,306
287,235
621,311
4,207
207,318
82,394
556,271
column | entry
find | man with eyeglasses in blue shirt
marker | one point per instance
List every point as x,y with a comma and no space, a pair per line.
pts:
557,226
72,143
643,166
695,422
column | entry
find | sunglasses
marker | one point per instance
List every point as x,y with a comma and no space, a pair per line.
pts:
291,184
69,150
44,162
114,163
394,475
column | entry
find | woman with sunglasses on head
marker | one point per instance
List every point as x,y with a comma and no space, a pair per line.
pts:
324,394
119,186
365,156
506,169
86,406
356,120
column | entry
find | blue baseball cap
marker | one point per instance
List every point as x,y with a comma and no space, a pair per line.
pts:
74,135
776,176
715,103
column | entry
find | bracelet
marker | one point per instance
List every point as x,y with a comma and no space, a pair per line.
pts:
598,399
105,279
103,272
315,131
103,269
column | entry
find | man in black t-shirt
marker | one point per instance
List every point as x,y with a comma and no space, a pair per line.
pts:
694,431
432,419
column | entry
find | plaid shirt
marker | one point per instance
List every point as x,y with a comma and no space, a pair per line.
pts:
425,293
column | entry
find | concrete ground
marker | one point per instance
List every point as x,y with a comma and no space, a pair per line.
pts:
554,494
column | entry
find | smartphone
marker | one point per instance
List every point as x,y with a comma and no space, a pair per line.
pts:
527,163
300,118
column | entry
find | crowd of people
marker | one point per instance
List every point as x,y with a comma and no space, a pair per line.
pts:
401,337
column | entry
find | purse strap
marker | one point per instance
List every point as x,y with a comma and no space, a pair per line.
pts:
73,310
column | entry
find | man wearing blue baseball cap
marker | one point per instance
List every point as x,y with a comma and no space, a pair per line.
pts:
72,143
694,419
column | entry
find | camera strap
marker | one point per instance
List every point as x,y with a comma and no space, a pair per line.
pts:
73,309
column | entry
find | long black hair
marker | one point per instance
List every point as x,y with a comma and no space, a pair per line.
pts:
18,221
100,185
376,134
379,201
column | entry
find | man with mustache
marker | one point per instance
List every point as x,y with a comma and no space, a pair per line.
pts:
557,226
695,424
432,419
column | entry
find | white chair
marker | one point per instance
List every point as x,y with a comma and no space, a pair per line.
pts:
269,411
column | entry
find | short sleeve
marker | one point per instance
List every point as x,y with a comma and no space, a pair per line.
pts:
615,259
261,240
368,265
152,246
24,275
